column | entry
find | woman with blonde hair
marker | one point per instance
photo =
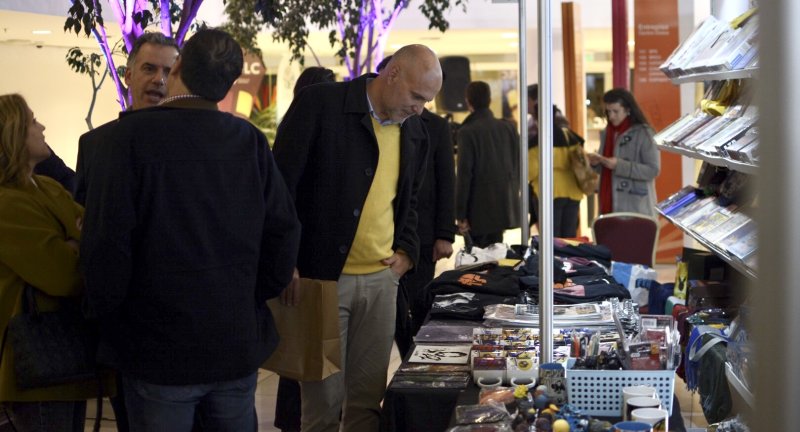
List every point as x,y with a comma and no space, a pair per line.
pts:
40,232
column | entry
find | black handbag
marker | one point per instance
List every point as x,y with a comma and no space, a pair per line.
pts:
51,348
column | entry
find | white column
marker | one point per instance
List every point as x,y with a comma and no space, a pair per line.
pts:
776,295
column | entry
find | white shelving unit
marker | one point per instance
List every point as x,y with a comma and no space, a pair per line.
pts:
750,73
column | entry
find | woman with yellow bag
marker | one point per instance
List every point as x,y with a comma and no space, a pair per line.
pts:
567,192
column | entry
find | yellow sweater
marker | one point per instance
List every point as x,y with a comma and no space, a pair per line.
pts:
35,223
564,183
375,233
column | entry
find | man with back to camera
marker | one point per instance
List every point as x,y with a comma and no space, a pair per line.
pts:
149,64
189,230
435,227
353,155
487,181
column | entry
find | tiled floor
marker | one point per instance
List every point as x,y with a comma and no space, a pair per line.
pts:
268,381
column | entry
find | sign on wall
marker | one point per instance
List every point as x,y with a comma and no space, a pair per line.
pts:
656,35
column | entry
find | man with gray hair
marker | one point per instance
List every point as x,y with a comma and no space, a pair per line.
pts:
189,229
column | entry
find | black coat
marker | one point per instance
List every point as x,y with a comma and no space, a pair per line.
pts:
189,229
55,168
87,148
437,195
327,152
487,189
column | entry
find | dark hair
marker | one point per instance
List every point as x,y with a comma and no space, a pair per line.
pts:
479,95
210,62
150,38
625,98
313,75
533,92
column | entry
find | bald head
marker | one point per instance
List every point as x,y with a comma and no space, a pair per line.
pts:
411,78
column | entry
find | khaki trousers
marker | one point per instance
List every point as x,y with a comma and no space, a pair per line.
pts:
367,308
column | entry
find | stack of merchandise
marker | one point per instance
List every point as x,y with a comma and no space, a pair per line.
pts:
716,46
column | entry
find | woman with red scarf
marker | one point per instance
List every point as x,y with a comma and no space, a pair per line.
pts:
628,160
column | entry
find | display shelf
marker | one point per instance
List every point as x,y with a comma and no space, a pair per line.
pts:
739,386
716,76
732,260
713,160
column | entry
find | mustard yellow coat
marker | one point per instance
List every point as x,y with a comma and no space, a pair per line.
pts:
564,183
35,223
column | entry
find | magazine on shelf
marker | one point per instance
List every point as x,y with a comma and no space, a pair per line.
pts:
743,241
441,354
737,219
664,136
699,120
735,129
716,218
704,133
703,209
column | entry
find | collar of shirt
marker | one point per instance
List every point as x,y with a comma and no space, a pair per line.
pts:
375,115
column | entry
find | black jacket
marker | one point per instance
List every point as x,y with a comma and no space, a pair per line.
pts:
87,149
487,189
189,229
56,169
437,196
327,152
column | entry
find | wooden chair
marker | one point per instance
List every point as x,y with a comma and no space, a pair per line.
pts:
631,237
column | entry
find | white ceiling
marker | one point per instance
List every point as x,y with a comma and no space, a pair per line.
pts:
485,29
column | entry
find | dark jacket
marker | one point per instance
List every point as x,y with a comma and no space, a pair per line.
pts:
437,196
87,148
189,229
487,188
327,152
56,169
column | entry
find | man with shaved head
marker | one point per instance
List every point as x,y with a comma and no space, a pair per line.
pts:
353,155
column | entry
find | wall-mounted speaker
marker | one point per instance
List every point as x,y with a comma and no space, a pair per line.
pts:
456,78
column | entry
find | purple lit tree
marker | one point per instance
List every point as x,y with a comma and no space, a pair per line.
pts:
360,28
133,16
